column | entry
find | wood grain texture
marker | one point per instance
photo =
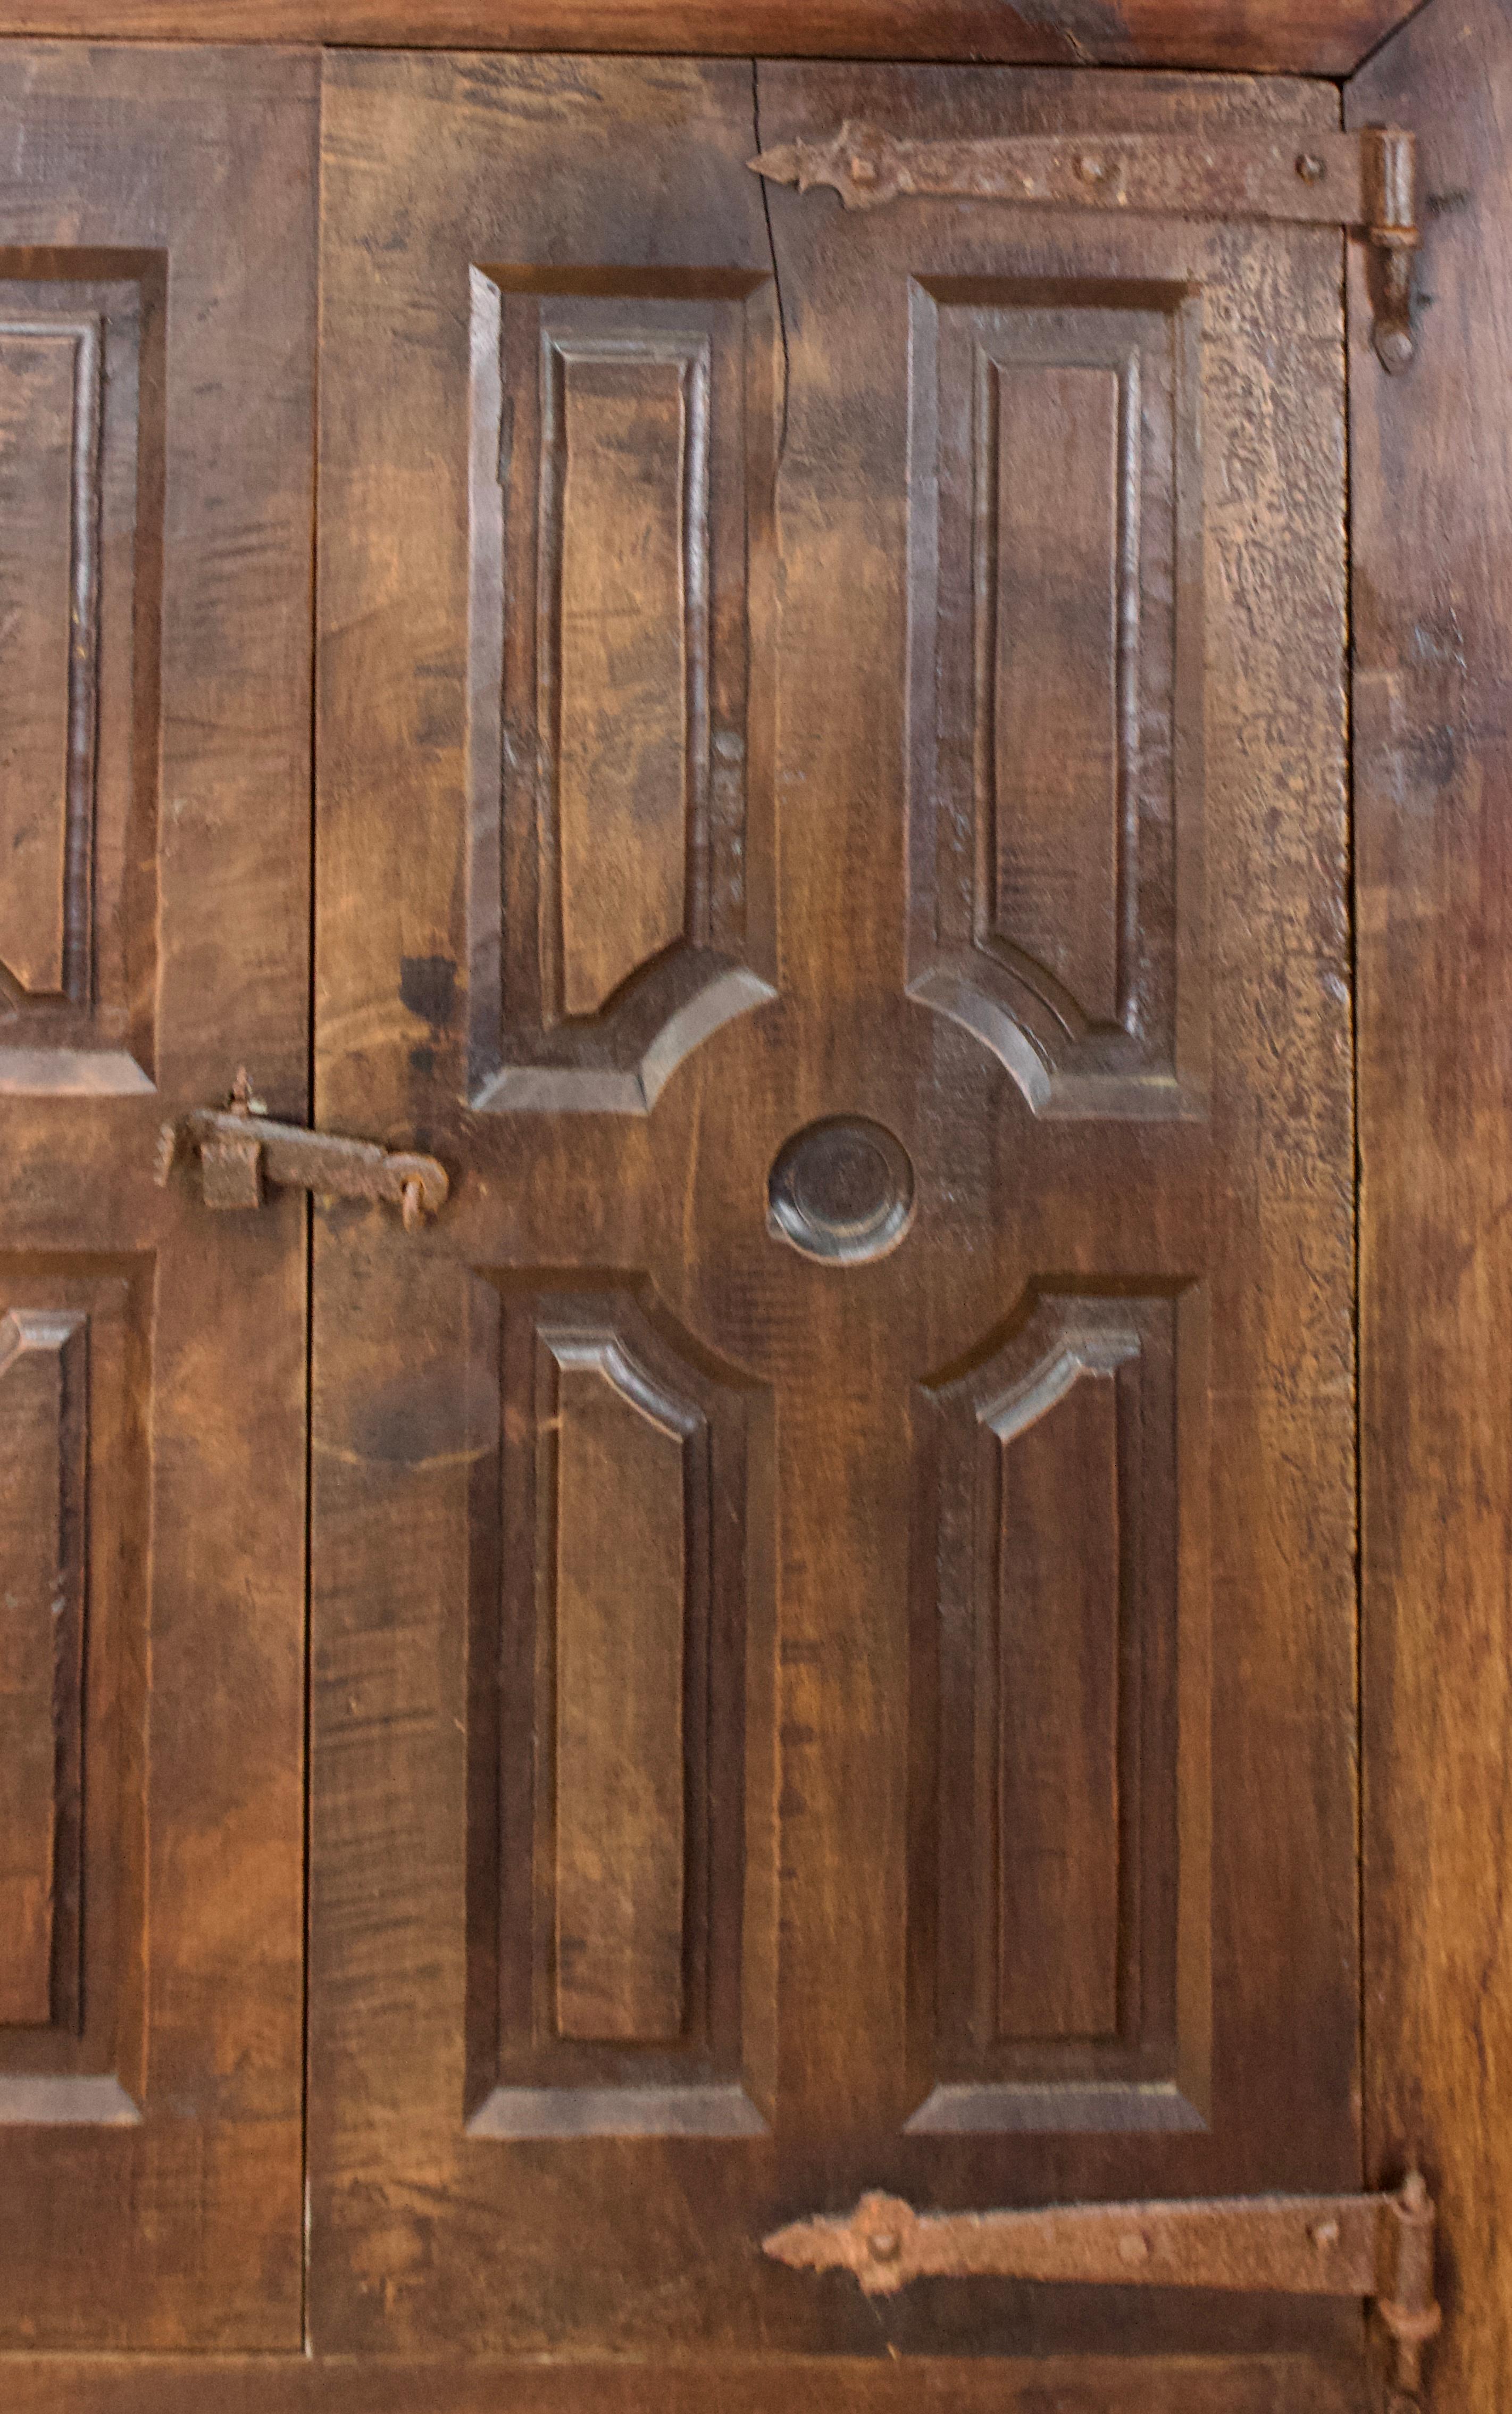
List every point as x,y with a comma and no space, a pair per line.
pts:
1218,2384
1056,805
1304,36
81,473
623,426
1069,1785
150,2137
433,2220
50,507
1432,594
1055,570
43,1437
621,1588
621,666
608,1515
1058,1711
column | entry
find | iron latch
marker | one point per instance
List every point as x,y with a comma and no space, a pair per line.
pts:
1379,2247
239,1150
1366,182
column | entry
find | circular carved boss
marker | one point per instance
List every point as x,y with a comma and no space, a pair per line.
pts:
842,1189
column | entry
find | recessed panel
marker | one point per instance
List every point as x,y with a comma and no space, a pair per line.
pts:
42,1441
606,1917
72,1626
1051,1630
79,545
49,397
619,1518
1051,527
620,874
1057,726
624,541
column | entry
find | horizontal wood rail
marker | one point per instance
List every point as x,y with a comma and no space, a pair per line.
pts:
1327,37
292,2384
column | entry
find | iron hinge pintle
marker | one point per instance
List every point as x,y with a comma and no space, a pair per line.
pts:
1379,2247
1366,182
240,1148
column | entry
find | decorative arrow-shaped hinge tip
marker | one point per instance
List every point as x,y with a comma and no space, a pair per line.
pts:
779,164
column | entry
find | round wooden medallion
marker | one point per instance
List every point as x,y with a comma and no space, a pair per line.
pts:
842,1189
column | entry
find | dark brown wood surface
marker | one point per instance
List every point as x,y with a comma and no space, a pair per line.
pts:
1072,1172
1432,598
1305,36
1218,2384
157,280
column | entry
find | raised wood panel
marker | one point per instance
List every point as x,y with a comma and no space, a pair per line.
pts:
1058,1706
1050,1625
625,531
619,888
81,485
72,1671
606,1930
42,1439
1052,571
619,1517
50,398
1056,805
1308,37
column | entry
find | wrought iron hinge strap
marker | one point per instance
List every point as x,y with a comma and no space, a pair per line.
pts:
239,1149
1370,2246
1366,182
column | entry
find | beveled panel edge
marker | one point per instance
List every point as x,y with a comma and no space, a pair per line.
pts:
1113,2107
675,2111
32,2102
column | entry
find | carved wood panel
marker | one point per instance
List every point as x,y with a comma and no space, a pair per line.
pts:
1057,686
81,536
1062,1856
608,1725
619,762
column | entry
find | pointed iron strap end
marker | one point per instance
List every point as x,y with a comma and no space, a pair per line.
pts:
779,165
807,2245
873,2242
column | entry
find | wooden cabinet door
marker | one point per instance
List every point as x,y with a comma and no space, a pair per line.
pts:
834,1616
157,284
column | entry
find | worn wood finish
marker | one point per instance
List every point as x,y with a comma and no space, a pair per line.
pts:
1433,593
41,1496
995,1171
156,355
1219,2384
1305,36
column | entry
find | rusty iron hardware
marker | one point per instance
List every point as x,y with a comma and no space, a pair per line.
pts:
1375,2246
1366,181
239,1150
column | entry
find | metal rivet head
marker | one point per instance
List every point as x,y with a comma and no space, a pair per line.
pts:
1311,167
1090,167
1132,2248
885,2246
1324,2235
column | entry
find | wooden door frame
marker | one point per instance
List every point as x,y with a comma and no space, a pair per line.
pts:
1321,37
1433,763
